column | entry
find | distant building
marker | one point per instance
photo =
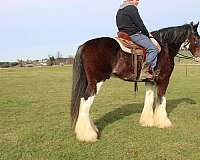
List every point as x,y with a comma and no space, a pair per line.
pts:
64,61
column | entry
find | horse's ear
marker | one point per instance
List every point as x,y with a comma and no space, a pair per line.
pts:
196,26
191,23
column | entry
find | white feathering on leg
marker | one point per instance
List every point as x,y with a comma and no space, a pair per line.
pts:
146,118
85,128
160,115
99,86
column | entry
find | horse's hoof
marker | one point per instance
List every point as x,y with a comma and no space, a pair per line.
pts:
86,133
146,124
162,122
146,120
87,136
149,123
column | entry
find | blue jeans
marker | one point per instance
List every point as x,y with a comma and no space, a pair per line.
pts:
145,42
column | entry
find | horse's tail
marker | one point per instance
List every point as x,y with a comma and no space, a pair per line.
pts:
79,85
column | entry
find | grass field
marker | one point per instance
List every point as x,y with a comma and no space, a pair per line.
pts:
35,122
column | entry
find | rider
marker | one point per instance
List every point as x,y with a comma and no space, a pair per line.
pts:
129,21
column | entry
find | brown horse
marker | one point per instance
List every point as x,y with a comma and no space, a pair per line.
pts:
96,60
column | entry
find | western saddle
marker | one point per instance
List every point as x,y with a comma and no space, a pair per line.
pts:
129,47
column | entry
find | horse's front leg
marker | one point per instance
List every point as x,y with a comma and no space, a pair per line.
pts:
146,118
161,119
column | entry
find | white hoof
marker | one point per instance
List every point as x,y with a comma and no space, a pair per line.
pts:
162,122
86,132
89,136
146,120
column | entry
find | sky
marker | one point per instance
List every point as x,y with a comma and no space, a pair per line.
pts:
36,29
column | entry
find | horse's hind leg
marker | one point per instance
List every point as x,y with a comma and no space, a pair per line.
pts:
85,128
146,118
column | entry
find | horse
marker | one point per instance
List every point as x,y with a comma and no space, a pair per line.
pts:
95,62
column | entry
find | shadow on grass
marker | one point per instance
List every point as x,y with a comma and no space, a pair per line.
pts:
118,114
173,103
130,109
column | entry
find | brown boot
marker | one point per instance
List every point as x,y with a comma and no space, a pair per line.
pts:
146,73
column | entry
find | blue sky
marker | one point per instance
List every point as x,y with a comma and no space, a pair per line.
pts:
38,28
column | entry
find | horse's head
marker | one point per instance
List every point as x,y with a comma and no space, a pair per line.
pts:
194,41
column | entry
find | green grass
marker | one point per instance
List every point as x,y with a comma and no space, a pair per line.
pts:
35,122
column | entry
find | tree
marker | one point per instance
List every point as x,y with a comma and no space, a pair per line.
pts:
59,55
52,60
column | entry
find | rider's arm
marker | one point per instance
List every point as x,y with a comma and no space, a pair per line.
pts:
134,14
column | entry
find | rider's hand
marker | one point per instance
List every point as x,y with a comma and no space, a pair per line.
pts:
150,35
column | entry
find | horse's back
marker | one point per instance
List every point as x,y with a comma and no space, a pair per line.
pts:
102,42
98,56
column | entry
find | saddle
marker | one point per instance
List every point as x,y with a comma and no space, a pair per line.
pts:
127,45
137,53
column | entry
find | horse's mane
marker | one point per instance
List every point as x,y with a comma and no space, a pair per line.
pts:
172,35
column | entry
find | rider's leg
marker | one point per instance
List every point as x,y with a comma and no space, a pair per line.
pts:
152,53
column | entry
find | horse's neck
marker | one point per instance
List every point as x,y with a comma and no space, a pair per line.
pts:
172,36
173,49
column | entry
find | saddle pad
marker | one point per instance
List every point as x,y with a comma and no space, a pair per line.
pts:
127,46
